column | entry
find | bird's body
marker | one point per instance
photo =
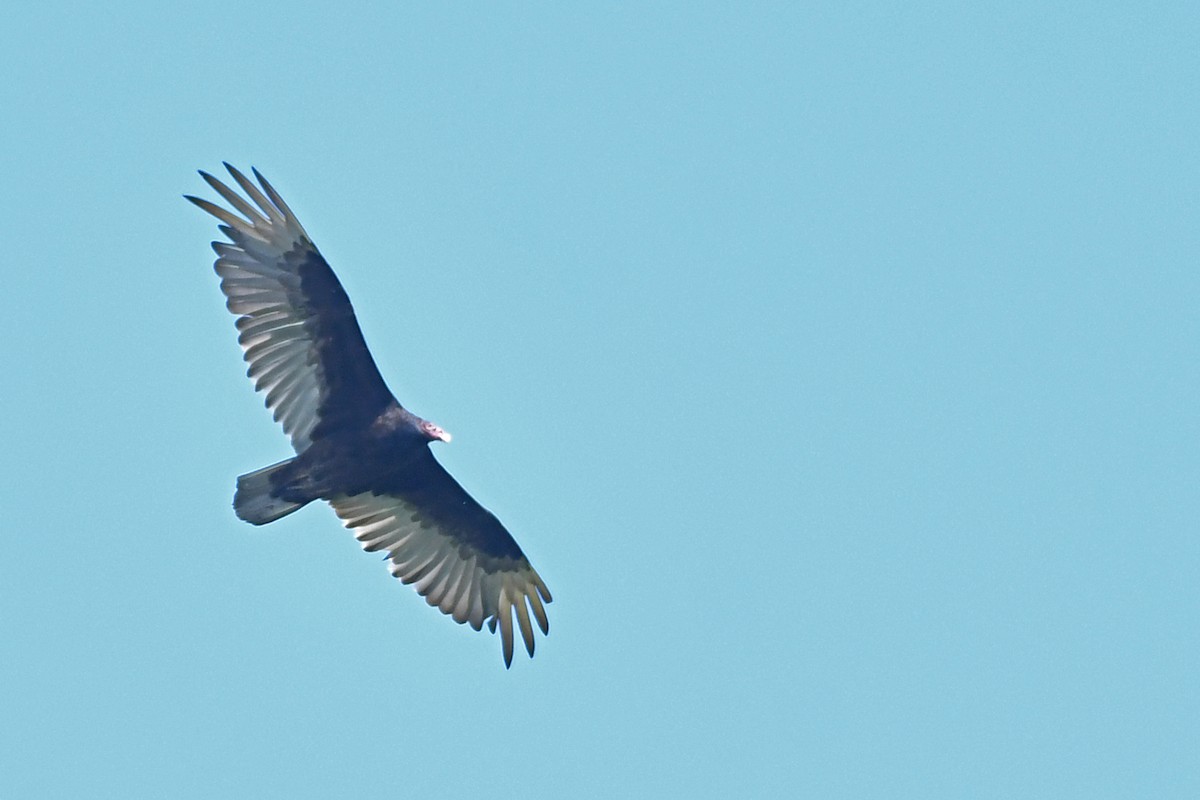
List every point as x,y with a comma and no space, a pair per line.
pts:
356,446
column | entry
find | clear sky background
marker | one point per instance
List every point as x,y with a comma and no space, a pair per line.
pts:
835,364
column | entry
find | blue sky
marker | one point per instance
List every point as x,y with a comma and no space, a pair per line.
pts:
836,365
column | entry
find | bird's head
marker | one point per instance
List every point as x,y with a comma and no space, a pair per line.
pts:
432,431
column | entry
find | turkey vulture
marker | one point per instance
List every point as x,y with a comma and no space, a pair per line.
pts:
356,447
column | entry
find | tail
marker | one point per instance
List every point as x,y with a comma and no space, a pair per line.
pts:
254,502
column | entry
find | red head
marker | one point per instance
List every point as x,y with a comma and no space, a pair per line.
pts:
433,431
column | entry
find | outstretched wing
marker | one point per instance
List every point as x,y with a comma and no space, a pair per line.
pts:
455,552
295,323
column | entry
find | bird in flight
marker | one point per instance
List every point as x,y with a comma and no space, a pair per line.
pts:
356,447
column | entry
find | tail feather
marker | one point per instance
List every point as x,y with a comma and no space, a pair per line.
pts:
254,502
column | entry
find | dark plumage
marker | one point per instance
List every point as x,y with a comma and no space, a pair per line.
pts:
356,447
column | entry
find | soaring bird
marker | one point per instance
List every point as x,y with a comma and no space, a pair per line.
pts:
356,447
